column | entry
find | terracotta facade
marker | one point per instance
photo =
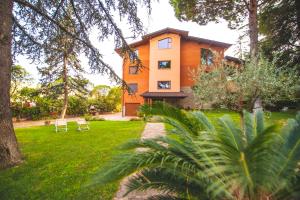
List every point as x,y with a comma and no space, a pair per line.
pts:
184,55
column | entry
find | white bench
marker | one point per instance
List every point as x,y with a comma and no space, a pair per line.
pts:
83,125
61,124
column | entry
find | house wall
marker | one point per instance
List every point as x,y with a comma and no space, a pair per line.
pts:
190,62
185,62
142,78
172,54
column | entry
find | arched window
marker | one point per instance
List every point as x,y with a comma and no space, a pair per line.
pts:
207,57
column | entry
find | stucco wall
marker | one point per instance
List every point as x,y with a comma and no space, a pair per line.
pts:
141,78
172,54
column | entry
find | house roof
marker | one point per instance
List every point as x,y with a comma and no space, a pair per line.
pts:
164,94
184,35
165,30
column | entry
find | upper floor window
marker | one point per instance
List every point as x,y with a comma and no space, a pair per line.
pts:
133,88
207,57
133,69
165,43
164,84
164,64
133,56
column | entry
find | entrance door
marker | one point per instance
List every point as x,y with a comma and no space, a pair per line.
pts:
131,109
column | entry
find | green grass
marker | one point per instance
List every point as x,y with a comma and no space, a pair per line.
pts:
60,165
270,117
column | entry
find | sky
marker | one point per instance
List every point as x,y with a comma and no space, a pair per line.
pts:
162,16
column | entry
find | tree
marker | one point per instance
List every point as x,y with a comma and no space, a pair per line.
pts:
99,91
235,12
26,25
19,78
238,88
280,24
105,98
62,57
208,161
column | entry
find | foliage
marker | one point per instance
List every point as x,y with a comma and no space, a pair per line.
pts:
106,99
45,106
63,75
59,166
135,119
238,88
212,162
206,11
49,105
99,91
77,106
35,23
19,78
279,23
28,24
93,118
234,12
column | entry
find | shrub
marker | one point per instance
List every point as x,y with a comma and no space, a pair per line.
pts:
135,119
77,106
93,118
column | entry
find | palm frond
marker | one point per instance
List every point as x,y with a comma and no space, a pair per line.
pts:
291,146
259,119
167,182
249,130
230,134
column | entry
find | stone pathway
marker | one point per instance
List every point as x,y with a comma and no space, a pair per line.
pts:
151,130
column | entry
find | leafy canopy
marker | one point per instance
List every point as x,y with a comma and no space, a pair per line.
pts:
280,25
238,88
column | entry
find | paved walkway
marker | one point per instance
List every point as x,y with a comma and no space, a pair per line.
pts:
113,117
151,130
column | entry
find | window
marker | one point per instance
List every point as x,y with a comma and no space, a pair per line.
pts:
164,84
133,56
164,64
133,87
133,69
165,43
207,57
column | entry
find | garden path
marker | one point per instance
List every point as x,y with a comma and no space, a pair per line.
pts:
151,130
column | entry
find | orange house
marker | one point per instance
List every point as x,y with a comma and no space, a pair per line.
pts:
169,57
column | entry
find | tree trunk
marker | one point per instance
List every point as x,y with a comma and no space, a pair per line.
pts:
253,31
65,80
9,151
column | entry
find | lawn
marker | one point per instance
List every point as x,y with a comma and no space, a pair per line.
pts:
60,165
270,117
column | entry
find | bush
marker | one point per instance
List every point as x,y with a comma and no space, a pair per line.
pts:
93,118
77,106
135,119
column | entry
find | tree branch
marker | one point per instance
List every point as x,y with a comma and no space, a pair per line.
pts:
247,5
86,43
57,9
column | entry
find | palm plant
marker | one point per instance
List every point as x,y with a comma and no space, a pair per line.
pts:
212,160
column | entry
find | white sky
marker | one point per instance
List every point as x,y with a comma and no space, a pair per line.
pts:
162,16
